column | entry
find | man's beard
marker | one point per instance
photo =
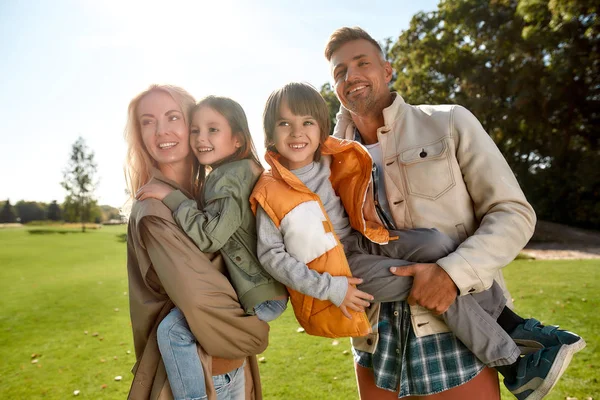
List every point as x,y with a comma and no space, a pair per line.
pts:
364,106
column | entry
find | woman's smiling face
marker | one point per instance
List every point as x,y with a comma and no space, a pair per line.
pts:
165,133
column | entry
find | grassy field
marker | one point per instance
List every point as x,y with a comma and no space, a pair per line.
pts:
64,322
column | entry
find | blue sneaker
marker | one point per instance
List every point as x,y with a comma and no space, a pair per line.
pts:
537,373
532,336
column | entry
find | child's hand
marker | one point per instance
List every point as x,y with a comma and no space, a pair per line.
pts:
355,299
154,191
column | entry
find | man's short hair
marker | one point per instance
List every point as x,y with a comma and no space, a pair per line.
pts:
347,34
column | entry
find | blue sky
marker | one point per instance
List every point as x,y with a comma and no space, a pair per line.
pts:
69,69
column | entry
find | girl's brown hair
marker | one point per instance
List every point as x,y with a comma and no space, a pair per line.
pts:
302,99
236,118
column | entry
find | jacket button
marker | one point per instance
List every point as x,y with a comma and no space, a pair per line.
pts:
471,290
370,341
423,153
238,259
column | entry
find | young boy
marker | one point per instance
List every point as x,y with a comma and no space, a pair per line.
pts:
314,234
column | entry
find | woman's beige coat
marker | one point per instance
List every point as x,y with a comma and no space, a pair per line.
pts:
165,268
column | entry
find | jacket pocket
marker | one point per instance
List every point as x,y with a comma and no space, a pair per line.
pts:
242,258
427,169
424,323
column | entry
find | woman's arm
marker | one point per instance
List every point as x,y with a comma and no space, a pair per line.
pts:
202,292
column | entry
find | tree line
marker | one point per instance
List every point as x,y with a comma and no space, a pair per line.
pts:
530,71
26,211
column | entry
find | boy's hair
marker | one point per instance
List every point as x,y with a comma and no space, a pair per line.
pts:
236,118
302,99
139,163
346,34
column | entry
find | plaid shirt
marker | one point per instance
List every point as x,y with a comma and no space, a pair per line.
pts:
414,366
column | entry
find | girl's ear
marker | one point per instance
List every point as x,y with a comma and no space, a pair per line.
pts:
238,141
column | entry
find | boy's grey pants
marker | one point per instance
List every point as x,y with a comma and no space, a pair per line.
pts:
472,318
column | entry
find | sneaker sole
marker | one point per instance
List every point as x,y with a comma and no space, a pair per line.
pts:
561,362
577,346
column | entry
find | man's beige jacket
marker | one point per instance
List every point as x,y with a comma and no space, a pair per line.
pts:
165,268
442,170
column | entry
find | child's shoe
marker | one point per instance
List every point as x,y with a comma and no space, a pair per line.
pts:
531,336
537,373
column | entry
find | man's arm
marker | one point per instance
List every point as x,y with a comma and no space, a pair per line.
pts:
507,220
204,295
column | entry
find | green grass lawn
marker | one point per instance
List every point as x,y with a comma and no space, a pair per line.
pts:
64,322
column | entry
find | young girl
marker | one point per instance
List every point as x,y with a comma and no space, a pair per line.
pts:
314,233
221,141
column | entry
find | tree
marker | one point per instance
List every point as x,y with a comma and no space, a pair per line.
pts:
529,70
7,215
30,211
333,104
78,181
53,212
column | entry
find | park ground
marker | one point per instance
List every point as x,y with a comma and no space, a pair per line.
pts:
64,319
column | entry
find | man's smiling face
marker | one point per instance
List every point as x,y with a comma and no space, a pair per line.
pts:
360,77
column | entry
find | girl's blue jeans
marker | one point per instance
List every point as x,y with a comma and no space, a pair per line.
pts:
177,347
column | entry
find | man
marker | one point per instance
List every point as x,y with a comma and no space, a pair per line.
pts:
435,167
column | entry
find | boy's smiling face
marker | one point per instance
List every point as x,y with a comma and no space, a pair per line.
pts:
296,138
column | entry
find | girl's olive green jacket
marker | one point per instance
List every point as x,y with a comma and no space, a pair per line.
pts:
226,223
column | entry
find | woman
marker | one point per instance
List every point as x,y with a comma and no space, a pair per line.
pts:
166,269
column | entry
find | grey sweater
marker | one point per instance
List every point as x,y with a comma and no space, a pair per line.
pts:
281,265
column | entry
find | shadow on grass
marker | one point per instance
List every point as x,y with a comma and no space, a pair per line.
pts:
51,231
122,238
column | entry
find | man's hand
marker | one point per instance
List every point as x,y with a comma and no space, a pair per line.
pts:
432,286
355,299
155,190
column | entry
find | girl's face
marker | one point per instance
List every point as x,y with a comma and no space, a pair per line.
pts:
163,129
296,138
211,138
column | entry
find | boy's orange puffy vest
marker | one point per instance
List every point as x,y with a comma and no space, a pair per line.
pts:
279,191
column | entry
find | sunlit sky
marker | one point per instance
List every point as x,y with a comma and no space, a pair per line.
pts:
70,68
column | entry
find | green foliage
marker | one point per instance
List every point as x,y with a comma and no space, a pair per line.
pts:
7,215
30,211
53,211
58,285
79,182
333,104
529,70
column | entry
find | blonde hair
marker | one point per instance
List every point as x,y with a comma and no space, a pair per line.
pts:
346,34
236,118
139,163
302,99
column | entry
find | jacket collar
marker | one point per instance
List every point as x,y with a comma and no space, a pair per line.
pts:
344,126
332,146
158,176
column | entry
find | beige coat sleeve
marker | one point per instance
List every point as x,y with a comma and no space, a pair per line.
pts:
506,219
203,293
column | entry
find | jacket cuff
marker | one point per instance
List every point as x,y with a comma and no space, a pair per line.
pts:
462,273
174,199
338,289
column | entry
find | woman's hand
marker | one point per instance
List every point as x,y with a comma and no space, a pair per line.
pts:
154,190
355,299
